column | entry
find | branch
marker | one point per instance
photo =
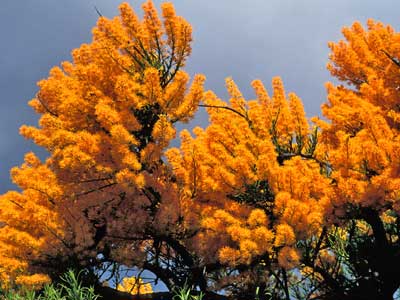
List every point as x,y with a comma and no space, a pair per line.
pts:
285,287
97,11
167,276
46,107
371,216
319,243
96,189
394,60
227,108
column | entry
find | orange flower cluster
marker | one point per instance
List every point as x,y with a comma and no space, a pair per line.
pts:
31,225
134,285
106,118
253,174
362,138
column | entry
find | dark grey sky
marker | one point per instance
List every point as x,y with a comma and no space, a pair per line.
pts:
245,39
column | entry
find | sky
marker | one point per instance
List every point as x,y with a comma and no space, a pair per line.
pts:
243,39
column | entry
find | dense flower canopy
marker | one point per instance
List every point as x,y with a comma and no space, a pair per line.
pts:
106,118
261,199
243,171
362,138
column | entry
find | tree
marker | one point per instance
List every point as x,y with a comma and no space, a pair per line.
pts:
361,143
242,174
261,203
104,194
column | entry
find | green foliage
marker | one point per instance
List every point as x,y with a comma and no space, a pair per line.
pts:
74,290
186,293
70,288
21,295
50,292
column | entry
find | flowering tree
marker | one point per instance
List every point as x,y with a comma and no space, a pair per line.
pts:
260,203
104,194
242,174
361,144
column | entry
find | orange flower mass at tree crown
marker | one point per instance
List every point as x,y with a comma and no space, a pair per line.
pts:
105,120
260,198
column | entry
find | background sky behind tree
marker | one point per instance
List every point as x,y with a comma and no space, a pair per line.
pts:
245,39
